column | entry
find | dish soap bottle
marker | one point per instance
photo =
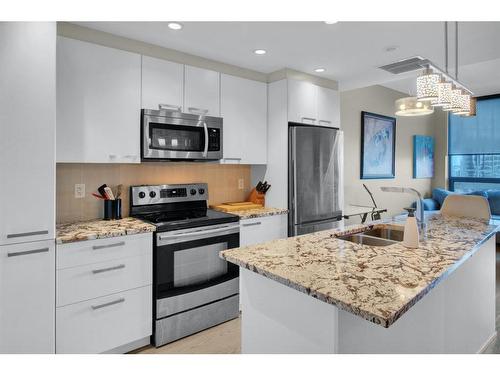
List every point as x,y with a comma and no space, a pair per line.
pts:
410,237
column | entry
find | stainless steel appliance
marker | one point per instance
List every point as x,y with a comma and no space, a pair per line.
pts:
173,135
193,288
315,189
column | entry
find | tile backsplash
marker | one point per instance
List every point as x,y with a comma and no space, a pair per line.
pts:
222,183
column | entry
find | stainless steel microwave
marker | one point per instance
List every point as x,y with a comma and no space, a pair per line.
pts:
173,135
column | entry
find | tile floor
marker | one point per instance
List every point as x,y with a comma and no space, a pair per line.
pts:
225,338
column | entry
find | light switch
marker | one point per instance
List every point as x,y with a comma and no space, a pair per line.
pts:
241,184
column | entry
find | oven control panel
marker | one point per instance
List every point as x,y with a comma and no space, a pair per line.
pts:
158,194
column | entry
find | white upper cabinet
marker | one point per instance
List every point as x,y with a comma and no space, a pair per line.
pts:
201,91
302,102
27,132
244,112
312,104
98,103
328,107
162,84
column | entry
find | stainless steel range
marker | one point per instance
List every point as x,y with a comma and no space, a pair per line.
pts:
193,288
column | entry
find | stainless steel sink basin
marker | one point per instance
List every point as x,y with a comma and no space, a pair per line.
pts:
379,236
387,233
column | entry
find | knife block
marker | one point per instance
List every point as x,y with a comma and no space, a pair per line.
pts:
257,197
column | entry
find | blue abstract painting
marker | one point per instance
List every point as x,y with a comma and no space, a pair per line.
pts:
377,146
423,156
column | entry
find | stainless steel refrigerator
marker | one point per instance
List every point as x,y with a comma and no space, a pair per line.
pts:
315,187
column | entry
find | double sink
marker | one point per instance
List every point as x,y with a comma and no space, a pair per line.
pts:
376,236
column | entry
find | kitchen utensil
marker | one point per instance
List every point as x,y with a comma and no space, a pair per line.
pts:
101,190
259,186
109,193
119,191
257,197
266,189
97,196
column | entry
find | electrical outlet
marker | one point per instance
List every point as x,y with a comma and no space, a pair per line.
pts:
79,190
241,183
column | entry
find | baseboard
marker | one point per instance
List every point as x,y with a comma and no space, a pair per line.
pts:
130,346
487,343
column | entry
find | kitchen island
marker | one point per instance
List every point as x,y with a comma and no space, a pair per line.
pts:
317,293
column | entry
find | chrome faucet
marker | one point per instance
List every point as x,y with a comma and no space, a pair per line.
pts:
420,202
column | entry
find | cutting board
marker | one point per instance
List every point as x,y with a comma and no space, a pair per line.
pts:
237,206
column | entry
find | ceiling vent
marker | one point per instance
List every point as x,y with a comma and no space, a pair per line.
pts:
407,65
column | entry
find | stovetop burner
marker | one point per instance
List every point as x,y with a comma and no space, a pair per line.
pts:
173,207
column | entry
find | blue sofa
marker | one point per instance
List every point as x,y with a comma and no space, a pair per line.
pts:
439,195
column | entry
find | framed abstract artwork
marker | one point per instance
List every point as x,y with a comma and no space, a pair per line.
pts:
378,146
423,156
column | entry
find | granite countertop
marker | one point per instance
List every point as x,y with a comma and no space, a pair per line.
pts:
259,212
91,230
378,284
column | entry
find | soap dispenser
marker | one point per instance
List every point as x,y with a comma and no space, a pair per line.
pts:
410,237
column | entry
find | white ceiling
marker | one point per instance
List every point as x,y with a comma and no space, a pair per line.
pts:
349,51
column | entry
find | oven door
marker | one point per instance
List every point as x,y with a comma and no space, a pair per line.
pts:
188,270
179,136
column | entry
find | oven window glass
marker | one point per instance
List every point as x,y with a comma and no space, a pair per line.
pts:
177,138
199,264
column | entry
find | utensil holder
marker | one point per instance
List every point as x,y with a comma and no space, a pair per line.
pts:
257,197
113,209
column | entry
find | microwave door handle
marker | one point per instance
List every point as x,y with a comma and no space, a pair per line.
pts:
205,151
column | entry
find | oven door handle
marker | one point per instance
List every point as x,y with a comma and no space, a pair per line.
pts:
205,151
199,233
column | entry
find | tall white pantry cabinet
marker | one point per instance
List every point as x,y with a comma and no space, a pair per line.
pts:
27,188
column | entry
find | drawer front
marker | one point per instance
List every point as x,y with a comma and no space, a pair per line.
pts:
102,250
192,321
99,279
262,229
104,323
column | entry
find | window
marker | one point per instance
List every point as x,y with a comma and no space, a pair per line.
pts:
474,148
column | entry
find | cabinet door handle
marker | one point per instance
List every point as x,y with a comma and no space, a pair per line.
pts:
99,247
205,150
28,252
26,234
101,270
251,224
198,111
325,121
173,107
308,118
232,158
96,307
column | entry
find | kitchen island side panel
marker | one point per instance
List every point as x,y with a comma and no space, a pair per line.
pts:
277,319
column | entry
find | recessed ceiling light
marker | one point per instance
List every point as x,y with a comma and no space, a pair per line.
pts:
260,51
330,22
319,70
174,26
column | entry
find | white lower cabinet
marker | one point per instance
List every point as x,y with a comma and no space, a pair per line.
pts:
101,324
262,229
27,298
104,293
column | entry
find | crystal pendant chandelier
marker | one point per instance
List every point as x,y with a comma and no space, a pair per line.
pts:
428,86
472,111
444,95
464,102
410,106
437,88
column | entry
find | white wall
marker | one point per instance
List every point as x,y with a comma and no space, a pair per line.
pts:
380,100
